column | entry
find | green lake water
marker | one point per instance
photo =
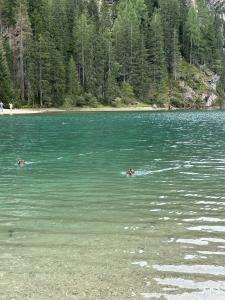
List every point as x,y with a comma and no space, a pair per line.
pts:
74,226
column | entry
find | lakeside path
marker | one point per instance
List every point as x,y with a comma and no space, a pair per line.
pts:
84,109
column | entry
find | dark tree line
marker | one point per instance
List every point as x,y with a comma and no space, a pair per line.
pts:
75,53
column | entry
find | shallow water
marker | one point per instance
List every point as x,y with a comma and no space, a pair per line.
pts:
74,226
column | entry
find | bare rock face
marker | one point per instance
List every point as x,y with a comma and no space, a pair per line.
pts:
210,100
212,83
189,93
202,86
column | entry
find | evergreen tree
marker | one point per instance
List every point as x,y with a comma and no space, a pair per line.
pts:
214,42
156,55
22,38
73,85
139,77
41,67
39,13
130,43
84,37
57,77
71,11
58,25
9,11
104,58
6,90
93,12
169,10
193,33
128,38
184,8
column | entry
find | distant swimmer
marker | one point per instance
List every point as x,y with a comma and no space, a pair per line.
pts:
21,162
130,172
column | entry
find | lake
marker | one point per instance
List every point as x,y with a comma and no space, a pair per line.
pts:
74,226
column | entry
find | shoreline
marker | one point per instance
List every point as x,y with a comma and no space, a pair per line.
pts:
24,111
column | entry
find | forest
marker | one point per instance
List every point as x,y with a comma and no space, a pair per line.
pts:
56,53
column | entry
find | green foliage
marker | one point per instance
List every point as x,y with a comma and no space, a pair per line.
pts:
6,91
84,49
57,78
156,54
87,99
9,8
82,53
193,33
170,12
73,85
127,93
117,102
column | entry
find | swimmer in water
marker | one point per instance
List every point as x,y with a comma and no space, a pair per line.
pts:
130,172
21,162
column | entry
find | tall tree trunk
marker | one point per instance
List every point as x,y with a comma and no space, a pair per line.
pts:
131,47
40,84
174,55
21,57
83,62
191,49
1,17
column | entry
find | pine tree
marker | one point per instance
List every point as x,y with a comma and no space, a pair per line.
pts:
93,12
41,69
135,43
104,58
139,77
184,7
156,55
71,11
57,77
73,85
84,38
58,25
169,10
127,35
6,90
22,41
214,42
9,11
39,13
193,32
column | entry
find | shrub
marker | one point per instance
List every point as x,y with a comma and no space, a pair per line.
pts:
93,102
127,93
117,102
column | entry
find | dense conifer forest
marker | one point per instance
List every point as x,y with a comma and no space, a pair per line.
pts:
85,52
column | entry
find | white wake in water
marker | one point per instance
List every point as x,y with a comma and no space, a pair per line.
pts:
149,172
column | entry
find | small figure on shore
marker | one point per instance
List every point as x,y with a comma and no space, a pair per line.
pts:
11,107
21,162
130,172
1,106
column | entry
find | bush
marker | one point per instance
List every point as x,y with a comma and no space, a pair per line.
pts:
93,102
176,102
69,101
80,101
117,102
127,93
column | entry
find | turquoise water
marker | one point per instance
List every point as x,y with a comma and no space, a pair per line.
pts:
74,226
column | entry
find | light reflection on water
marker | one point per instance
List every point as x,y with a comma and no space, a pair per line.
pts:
74,226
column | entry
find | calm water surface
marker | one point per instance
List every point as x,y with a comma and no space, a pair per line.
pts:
74,226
